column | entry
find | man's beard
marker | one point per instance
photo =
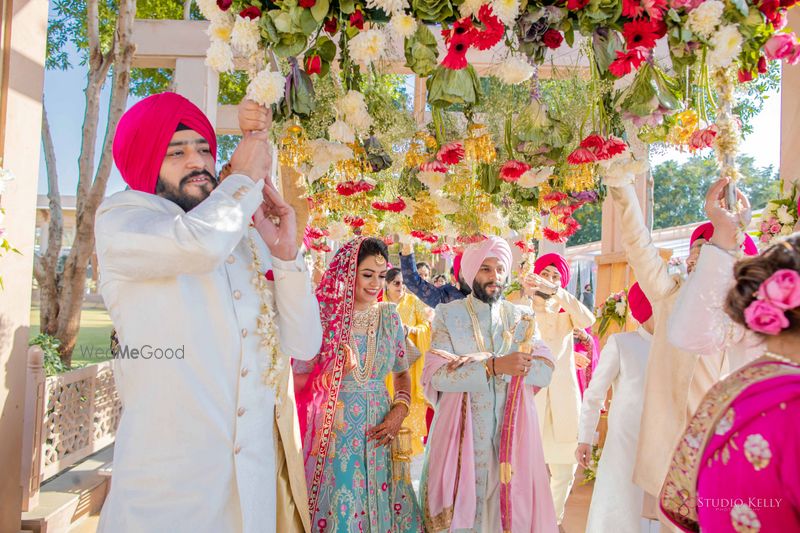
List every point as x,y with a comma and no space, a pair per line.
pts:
178,194
481,294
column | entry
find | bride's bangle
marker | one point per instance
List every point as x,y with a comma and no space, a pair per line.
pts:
402,401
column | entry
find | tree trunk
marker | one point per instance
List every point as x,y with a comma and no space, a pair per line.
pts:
45,271
91,185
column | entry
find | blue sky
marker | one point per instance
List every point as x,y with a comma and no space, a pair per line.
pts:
65,104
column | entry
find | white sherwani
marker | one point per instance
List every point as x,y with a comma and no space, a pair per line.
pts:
616,500
195,448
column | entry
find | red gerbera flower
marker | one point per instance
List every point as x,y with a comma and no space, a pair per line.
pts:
456,57
513,169
395,206
493,29
462,31
443,248
552,235
315,233
471,239
349,188
354,221
626,61
451,153
614,146
364,186
251,13
526,248
388,240
357,19
433,166
640,33
632,9
655,9
762,65
593,143
224,5
581,156
575,5
554,197
424,236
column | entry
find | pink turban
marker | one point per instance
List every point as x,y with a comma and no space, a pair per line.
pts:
706,231
639,304
144,132
477,253
554,260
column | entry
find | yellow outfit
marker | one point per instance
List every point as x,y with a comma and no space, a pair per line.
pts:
414,314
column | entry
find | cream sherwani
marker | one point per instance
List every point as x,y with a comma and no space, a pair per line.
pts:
196,449
676,380
616,500
559,404
699,322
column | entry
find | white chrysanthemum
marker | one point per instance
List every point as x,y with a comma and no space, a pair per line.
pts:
388,6
727,44
704,19
338,231
324,153
368,46
470,7
445,204
495,219
783,215
534,177
360,121
221,27
434,181
209,8
506,10
245,36
353,107
267,87
620,308
341,132
219,56
514,70
403,25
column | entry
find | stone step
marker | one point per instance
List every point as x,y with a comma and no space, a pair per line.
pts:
72,496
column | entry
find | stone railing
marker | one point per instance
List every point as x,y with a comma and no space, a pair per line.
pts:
67,418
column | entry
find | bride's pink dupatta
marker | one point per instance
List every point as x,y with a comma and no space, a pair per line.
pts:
316,401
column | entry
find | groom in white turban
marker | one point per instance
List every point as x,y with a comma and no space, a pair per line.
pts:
469,469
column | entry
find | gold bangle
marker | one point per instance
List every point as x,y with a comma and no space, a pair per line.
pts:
401,401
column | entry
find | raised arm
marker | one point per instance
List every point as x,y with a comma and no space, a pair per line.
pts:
427,292
650,269
594,396
137,241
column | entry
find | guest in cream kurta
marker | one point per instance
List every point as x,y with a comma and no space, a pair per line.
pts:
559,404
676,380
616,500
197,447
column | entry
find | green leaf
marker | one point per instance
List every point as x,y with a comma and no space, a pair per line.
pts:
320,10
421,51
347,7
268,29
326,49
448,87
741,5
673,15
282,20
569,36
291,44
308,23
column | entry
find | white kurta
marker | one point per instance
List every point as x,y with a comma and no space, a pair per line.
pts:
559,404
699,322
194,450
616,500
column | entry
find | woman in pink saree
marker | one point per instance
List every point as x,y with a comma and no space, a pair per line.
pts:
348,421
737,467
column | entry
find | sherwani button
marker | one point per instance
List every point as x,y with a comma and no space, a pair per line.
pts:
241,411
237,449
244,332
245,372
230,260
237,294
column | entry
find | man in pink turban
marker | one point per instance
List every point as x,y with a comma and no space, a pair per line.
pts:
178,258
485,468
703,234
558,314
616,500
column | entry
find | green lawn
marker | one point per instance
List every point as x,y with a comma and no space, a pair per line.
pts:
94,335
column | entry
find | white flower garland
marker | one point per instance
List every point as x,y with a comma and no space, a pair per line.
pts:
266,323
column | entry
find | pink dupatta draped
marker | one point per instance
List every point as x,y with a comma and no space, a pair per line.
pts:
316,401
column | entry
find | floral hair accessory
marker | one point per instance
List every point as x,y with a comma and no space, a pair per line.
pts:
777,294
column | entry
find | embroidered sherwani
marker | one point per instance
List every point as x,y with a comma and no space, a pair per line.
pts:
676,380
453,332
559,404
197,447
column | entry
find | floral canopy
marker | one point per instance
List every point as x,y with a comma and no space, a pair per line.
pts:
669,68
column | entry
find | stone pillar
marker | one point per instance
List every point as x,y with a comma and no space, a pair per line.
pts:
194,80
24,32
790,114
